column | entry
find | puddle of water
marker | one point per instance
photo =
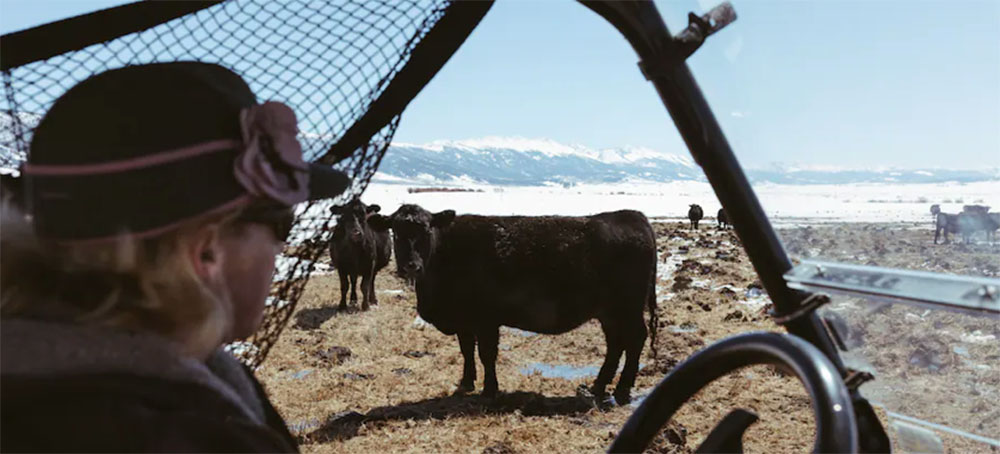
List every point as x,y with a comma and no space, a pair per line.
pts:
391,292
303,426
683,329
567,371
564,371
300,374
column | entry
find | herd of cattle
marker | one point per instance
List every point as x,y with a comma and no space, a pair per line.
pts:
473,274
549,274
972,219
695,214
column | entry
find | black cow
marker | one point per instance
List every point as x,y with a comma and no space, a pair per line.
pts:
723,219
975,209
992,226
944,222
695,214
548,275
972,221
360,247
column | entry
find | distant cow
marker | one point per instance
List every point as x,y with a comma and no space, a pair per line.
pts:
722,218
975,209
992,226
944,222
695,214
976,220
360,247
548,275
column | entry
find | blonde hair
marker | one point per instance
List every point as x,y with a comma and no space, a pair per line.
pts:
140,284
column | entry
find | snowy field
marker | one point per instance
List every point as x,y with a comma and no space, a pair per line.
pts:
783,203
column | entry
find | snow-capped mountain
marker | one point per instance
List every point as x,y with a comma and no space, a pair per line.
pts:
528,162
533,162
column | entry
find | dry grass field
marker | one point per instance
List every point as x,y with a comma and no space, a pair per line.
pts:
376,381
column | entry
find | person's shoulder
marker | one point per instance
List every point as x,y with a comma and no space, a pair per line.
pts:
126,413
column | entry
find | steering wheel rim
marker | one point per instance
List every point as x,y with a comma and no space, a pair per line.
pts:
836,428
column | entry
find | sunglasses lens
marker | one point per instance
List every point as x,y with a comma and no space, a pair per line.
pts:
279,219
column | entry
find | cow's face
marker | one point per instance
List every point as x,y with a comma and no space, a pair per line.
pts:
353,222
415,232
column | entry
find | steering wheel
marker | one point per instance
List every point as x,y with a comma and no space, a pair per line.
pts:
836,429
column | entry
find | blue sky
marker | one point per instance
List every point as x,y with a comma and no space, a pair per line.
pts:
839,83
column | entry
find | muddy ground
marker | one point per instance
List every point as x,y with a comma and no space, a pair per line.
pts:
379,381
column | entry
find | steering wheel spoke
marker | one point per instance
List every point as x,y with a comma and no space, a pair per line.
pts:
727,436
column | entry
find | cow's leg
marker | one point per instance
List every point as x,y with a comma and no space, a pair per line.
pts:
613,355
367,288
489,340
467,342
937,234
374,293
354,288
634,338
343,289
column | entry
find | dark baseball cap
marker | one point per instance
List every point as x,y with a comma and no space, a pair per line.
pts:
144,148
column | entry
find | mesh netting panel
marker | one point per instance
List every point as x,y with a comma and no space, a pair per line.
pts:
328,61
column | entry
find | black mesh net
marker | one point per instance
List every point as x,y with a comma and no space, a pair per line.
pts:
327,60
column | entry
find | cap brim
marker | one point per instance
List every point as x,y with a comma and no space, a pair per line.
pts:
326,182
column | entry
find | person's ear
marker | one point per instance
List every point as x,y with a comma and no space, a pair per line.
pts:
205,253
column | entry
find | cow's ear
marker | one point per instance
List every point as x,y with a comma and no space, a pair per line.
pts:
336,209
379,223
373,209
443,219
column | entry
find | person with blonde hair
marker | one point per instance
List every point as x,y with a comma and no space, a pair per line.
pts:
141,239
